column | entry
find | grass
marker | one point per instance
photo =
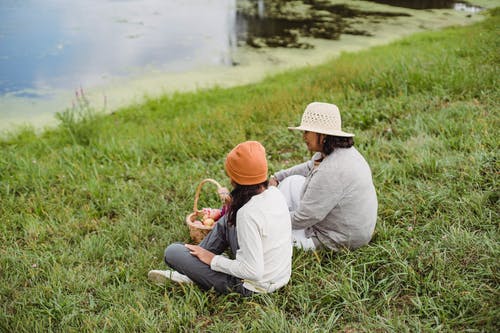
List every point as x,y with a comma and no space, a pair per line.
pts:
87,208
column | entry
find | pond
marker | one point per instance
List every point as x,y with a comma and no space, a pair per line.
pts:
49,48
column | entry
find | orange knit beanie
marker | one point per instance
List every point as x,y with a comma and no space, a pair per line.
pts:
246,164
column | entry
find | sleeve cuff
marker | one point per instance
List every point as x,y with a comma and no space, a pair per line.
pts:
219,262
214,262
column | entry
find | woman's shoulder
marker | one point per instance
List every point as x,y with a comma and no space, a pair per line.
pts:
347,161
343,154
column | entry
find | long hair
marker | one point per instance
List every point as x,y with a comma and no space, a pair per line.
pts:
331,142
241,194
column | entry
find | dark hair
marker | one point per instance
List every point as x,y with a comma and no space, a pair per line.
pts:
331,142
241,194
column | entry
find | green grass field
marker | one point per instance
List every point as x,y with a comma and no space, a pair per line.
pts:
88,208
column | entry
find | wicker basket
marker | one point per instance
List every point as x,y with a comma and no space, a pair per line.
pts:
198,232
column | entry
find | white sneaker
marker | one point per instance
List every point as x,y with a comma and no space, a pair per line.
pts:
160,277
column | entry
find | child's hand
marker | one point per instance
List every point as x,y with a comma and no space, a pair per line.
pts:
205,256
224,195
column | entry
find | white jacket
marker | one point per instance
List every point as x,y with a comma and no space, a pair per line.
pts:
338,202
264,257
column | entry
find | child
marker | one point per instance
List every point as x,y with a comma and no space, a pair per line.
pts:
256,228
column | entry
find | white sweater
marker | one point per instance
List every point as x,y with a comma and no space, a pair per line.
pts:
264,257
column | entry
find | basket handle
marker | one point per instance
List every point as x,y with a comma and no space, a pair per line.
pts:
198,190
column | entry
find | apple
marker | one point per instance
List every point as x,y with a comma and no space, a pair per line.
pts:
208,222
212,213
216,214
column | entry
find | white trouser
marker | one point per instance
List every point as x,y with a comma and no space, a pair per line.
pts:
291,187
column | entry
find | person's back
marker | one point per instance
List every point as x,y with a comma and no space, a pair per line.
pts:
352,220
268,211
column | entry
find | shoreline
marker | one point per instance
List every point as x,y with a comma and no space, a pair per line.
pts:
254,66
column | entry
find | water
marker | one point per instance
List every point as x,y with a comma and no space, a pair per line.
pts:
49,48
430,4
57,44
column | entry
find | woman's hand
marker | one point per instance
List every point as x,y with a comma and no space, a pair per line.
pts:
205,256
273,181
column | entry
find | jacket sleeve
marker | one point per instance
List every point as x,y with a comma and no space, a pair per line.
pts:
249,259
322,194
302,169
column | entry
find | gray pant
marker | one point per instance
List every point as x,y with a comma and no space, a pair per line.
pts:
217,241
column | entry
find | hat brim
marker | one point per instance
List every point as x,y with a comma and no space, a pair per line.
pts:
322,131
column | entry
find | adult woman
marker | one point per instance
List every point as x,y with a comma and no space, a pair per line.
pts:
332,199
256,228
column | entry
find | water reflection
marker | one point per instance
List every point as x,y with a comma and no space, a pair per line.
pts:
55,44
49,48
277,24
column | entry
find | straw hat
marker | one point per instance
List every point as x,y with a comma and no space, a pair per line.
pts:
323,118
